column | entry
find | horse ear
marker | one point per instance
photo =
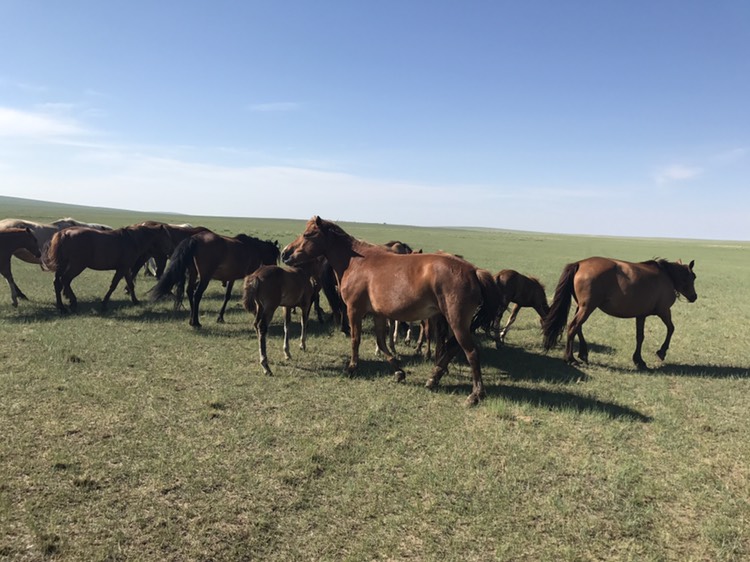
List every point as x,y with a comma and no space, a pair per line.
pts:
318,221
692,263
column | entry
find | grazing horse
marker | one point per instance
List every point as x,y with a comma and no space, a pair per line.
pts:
11,240
271,286
407,287
621,289
207,255
522,291
76,248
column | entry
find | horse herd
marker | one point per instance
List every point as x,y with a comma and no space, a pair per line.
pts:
450,297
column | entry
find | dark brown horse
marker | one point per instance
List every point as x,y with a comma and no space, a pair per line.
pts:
271,286
621,289
408,287
76,248
522,291
160,255
207,255
12,240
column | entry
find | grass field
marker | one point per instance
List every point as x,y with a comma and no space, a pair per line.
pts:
131,436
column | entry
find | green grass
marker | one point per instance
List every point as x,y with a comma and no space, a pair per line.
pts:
131,436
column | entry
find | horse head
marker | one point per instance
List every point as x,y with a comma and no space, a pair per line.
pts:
308,245
683,279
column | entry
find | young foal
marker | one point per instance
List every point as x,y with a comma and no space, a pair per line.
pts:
11,240
271,286
407,287
621,289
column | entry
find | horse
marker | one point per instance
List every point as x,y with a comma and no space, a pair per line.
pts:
43,234
74,249
160,256
522,291
621,289
407,287
11,240
271,286
207,255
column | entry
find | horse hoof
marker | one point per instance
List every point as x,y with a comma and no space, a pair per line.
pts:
661,354
473,400
400,376
220,320
431,384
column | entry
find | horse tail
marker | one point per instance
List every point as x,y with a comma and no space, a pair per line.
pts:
492,301
175,273
51,254
557,317
249,292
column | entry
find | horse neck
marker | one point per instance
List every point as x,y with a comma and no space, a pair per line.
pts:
341,253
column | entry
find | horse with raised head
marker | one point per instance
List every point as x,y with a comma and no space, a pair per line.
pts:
12,240
207,255
74,249
621,289
522,291
407,287
271,286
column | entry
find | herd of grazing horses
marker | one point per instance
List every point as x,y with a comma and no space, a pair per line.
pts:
450,297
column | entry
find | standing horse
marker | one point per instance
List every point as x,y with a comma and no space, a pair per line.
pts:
11,240
177,233
407,287
271,286
207,255
43,234
74,249
522,291
621,289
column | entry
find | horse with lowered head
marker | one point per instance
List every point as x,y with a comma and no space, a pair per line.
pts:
207,255
408,287
522,291
621,289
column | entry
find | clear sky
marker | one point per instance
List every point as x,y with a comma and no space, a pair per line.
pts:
624,118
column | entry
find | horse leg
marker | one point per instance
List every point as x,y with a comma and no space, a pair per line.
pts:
640,323
287,321
575,329
58,284
227,296
13,289
261,328
130,283
355,329
68,292
112,286
666,317
466,342
381,330
305,316
196,301
513,314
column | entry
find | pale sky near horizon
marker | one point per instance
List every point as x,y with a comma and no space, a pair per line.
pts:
585,117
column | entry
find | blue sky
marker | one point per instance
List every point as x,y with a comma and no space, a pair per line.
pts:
618,118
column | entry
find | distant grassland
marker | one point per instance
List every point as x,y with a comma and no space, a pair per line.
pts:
131,436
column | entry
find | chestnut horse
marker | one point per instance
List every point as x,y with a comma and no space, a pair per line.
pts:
407,287
11,240
74,249
271,286
522,291
207,255
621,289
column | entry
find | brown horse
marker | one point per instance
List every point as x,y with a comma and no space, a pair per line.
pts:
160,255
407,287
621,289
11,240
74,249
207,255
271,286
522,291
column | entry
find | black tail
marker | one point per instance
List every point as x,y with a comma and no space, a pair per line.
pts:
492,301
557,317
175,273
